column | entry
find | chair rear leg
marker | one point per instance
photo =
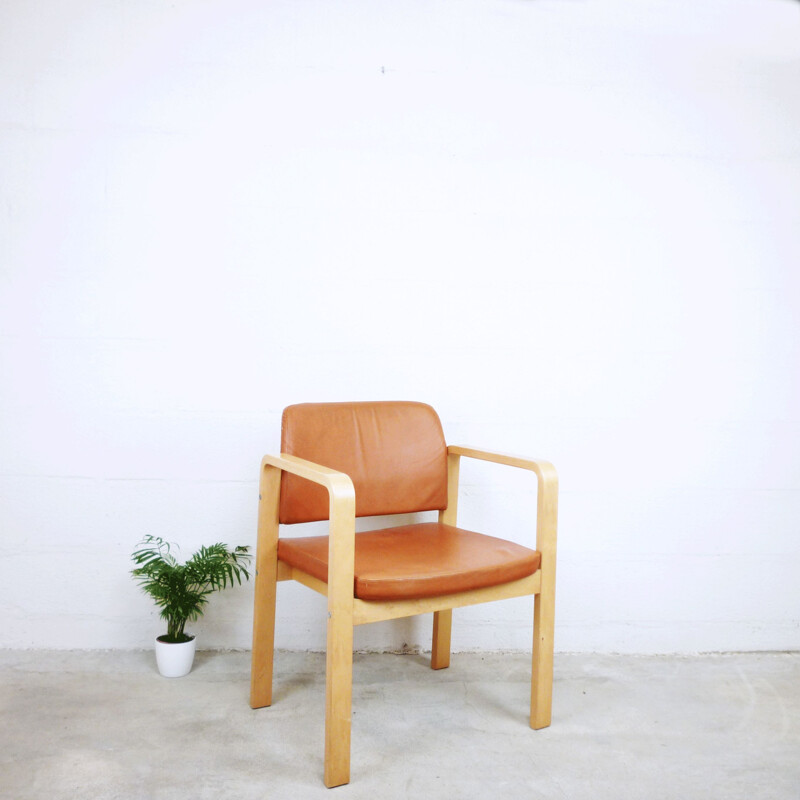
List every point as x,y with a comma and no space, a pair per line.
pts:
265,589
440,648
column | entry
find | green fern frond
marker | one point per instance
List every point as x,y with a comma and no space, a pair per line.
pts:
181,591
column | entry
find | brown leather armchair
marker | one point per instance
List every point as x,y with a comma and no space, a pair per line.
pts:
340,461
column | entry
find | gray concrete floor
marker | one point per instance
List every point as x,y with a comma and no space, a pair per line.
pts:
105,725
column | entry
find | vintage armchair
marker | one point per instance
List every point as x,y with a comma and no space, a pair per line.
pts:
340,461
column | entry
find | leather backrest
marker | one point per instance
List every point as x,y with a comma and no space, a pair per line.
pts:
394,452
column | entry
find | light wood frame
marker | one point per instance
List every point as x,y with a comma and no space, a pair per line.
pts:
345,610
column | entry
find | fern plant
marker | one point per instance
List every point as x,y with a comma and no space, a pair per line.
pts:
181,590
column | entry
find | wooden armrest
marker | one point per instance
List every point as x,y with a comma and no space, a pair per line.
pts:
338,484
340,488
543,469
335,482
547,490
342,521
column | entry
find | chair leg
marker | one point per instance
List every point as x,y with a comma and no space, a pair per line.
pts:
263,635
266,588
338,700
542,671
440,649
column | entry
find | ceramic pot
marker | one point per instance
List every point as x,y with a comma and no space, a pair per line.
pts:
174,660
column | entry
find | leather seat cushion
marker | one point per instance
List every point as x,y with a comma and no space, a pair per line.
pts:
414,561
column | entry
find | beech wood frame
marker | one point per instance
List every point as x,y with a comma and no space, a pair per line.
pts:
345,610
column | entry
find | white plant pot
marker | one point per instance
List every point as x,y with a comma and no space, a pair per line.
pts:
174,660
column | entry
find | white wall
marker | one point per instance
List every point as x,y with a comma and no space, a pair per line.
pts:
572,227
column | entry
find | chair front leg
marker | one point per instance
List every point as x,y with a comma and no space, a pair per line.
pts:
339,660
545,603
542,667
338,699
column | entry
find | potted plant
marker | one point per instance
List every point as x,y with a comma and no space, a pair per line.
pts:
181,592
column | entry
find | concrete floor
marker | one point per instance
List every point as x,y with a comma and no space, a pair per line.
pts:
105,725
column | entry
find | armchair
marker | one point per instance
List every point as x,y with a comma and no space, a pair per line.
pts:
343,460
